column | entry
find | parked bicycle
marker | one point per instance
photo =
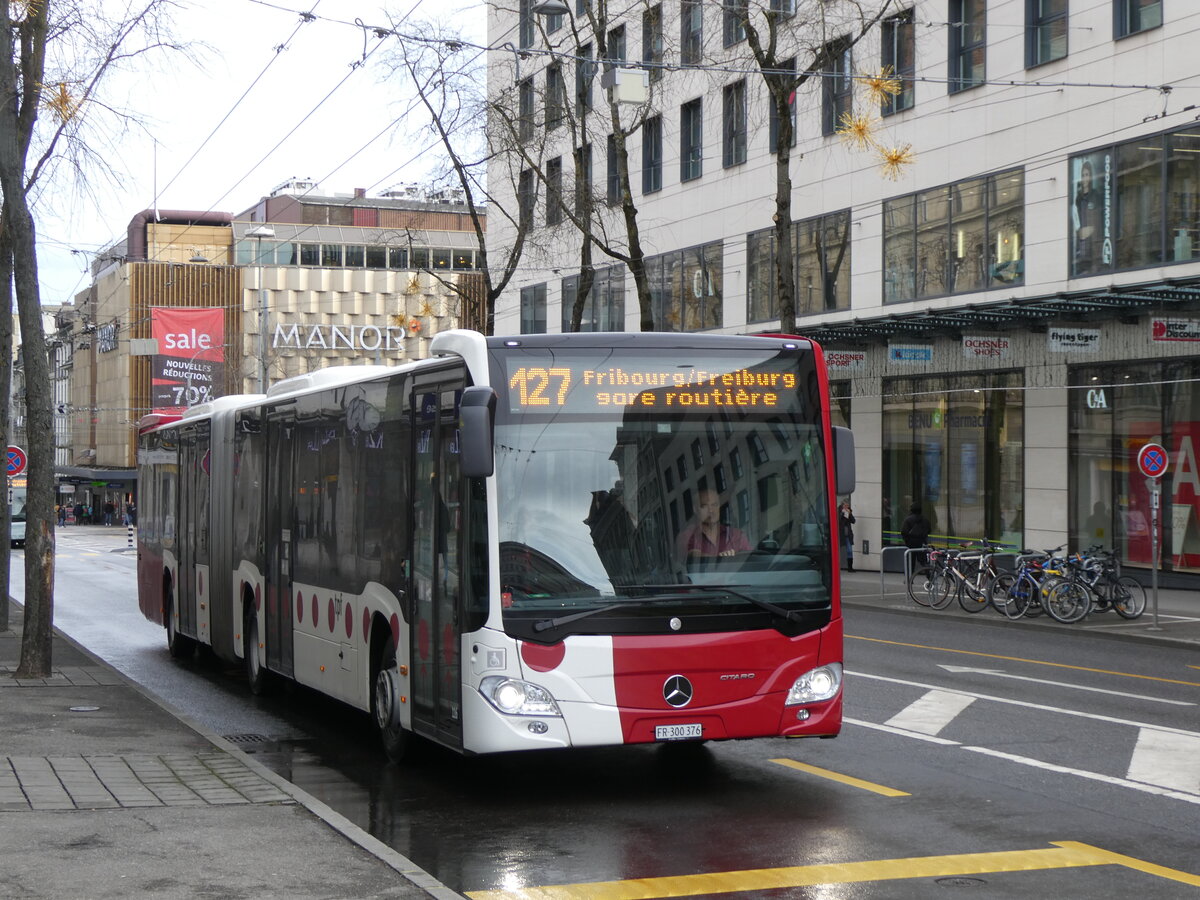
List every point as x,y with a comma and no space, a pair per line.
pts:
1109,588
966,574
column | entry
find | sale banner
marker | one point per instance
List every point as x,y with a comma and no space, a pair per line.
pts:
189,367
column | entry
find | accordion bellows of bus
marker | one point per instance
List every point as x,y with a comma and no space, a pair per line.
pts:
519,543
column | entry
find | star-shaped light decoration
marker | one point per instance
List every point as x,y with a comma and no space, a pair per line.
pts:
858,129
881,85
894,159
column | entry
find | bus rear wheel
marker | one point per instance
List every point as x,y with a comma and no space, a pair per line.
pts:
180,646
385,699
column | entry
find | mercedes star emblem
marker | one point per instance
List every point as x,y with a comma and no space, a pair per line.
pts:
677,691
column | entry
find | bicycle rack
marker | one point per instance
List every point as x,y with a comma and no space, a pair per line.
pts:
909,553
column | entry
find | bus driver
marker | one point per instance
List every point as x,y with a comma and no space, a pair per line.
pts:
708,537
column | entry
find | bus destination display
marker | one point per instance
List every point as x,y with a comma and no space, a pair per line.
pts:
580,389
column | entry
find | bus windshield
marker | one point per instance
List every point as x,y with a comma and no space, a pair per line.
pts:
639,482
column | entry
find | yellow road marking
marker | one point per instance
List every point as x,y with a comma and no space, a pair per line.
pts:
844,779
1035,662
1066,855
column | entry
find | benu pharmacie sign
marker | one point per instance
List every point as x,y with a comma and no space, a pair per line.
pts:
338,337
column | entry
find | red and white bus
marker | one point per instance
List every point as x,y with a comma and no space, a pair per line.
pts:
497,548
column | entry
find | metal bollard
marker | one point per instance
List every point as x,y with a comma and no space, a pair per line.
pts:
129,529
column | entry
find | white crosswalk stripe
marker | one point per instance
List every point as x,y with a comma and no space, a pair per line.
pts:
930,714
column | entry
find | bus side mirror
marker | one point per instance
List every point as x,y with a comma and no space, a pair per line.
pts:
843,460
476,423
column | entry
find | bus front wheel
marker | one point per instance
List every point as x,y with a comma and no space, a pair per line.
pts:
256,675
385,700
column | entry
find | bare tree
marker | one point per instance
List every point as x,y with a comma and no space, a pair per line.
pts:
449,75
54,57
791,46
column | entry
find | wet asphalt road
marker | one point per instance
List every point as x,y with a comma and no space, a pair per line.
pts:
948,776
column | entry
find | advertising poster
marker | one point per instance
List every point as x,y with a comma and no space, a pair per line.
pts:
189,367
1091,214
1179,540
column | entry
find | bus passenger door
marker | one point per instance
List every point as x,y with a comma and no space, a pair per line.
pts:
437,561
280,499
185,586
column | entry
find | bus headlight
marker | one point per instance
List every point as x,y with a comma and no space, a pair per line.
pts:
815,685
518,698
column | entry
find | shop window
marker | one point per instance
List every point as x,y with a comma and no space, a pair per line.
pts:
1114,412
955,446
356,256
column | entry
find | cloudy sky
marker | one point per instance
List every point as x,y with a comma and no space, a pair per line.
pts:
310,110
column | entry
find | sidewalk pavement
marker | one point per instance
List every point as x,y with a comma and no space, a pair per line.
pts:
1178,620
105,792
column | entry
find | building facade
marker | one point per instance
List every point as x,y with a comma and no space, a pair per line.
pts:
996,234
300,281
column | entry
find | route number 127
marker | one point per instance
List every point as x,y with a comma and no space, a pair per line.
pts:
534,383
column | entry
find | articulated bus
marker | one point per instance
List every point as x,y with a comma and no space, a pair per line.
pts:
529,542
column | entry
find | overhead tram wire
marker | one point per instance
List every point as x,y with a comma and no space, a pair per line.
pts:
279,48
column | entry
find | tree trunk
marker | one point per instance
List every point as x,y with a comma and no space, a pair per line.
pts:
6,335
37,636
785,274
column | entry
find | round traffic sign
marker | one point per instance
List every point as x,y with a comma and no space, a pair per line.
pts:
1152,460
17,460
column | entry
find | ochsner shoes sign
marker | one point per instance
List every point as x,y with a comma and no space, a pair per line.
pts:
993,347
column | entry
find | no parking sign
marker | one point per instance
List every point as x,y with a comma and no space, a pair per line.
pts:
17,460
1152,460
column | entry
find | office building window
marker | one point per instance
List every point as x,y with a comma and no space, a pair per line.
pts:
691,31
968,43
604,305
733,120
733,20
525,29
837,85
686,288
554,205
1132,16
652,158
533,309
526,196
525,109
1045,31
556,95
691,140
773,116
900,59
613,181
585,71
820,266
652,40
615,49
583,179
954,239
784,8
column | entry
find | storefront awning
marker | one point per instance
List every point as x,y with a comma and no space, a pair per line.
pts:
87,474
1169,297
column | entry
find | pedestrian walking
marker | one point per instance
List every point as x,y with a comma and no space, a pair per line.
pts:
846,522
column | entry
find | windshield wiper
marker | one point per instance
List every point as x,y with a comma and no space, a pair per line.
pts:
665,593
687,591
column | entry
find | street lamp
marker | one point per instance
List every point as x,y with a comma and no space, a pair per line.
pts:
259,232
551,8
